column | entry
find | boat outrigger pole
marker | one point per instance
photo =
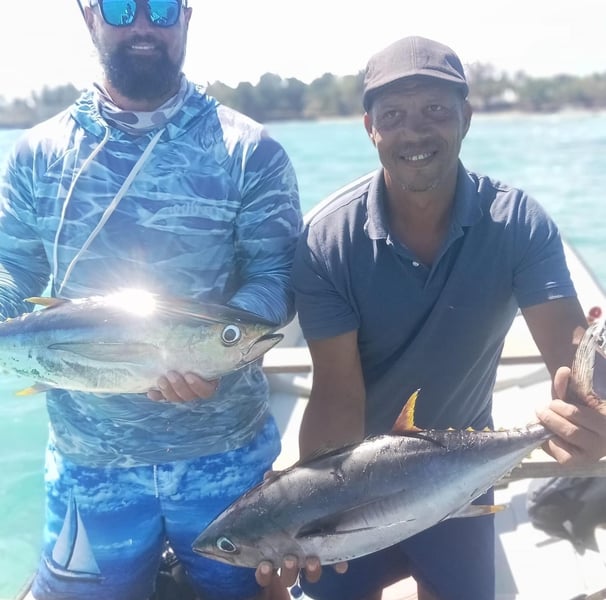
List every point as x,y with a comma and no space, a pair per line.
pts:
80,7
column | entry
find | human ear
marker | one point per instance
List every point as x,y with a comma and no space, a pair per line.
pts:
369,128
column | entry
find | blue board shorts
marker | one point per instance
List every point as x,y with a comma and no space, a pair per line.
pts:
106,527
454,559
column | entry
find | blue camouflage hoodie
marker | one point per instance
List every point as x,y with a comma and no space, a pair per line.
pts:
206,208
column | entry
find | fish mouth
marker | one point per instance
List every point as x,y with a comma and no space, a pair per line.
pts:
260,346
221,557
211,555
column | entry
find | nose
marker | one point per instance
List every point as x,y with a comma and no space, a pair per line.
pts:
142,22
415,122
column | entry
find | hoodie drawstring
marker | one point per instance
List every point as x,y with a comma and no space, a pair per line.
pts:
108,211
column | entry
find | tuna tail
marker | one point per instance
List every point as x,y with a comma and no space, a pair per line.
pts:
588,374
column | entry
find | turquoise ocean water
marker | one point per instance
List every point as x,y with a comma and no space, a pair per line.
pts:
559,159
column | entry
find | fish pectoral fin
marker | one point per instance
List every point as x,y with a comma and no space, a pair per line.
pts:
37,388
323,530
371,515
108,352
336,534
478,510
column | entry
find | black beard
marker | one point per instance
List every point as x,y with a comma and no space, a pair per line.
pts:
141,78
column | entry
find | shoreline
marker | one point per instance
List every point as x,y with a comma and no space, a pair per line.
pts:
483,114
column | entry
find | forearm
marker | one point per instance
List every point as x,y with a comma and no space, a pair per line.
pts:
556,328
24,267
267,229
335,413
324,426
268,296
21,276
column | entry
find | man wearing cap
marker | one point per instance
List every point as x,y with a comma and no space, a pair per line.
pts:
410,278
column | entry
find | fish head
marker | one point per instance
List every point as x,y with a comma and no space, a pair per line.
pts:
243,337
261,525
245,538
220,338
229,548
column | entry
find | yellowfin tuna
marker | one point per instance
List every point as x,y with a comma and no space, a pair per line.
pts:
122,342
364,497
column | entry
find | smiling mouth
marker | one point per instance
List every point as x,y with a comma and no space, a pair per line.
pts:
143,47
417,157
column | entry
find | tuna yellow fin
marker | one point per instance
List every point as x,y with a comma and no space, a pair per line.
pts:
478,510
37,388
406,420
45,301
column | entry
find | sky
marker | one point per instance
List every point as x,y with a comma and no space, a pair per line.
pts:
45,42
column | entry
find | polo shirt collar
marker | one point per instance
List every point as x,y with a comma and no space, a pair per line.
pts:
467,209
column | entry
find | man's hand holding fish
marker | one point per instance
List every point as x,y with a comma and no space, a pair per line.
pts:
289,571
178,387
579,422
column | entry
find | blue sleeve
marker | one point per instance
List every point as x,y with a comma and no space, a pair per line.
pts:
267,229
541,273
24,267
324,305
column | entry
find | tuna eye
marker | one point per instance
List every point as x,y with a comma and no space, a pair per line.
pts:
231,335
226,545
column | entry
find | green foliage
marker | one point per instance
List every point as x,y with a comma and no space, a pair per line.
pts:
25,112
276,99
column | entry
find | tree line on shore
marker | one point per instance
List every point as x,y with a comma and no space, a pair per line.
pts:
274,98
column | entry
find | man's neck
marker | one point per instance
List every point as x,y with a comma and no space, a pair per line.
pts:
137,105
420,220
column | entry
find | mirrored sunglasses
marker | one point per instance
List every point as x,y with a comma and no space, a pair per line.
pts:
122,13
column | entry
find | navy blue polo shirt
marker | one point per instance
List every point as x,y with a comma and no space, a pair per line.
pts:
439,328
